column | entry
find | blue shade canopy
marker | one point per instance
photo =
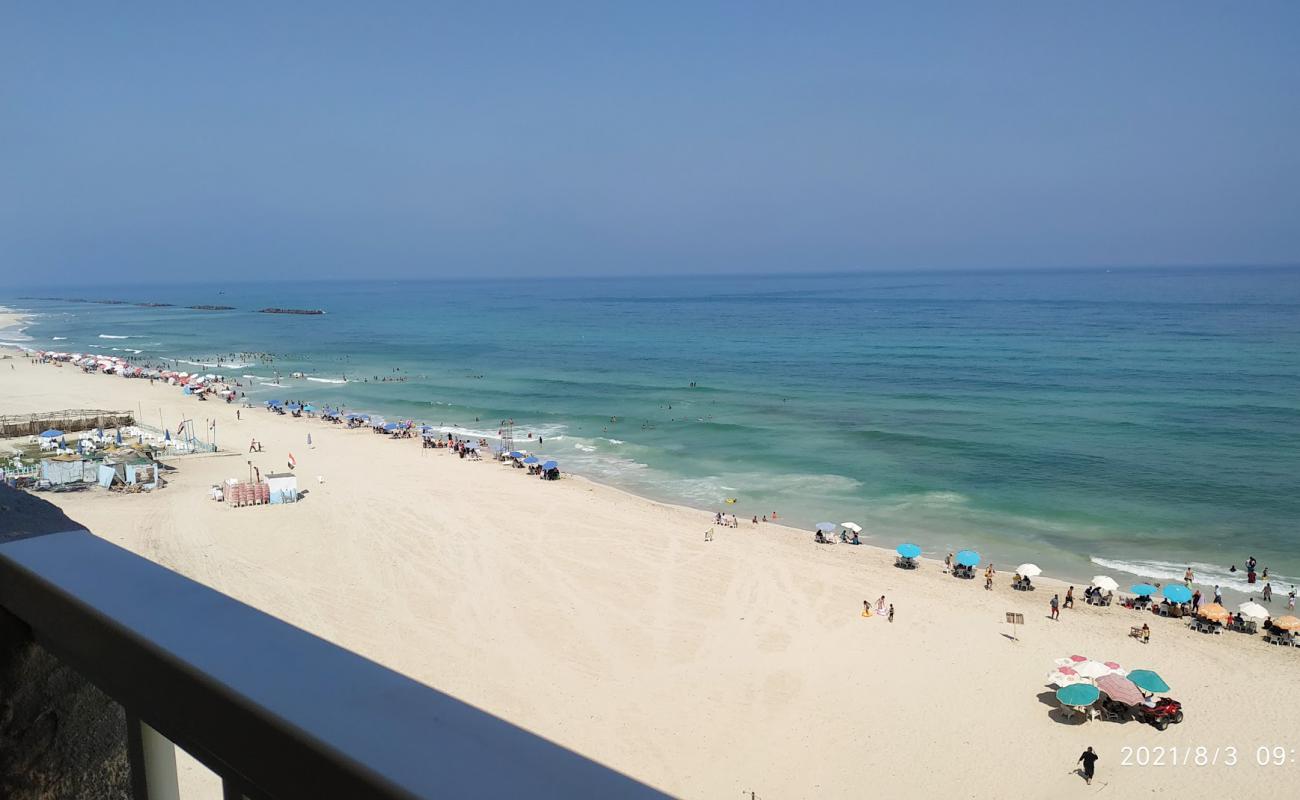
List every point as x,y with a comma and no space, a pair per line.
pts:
1148,680
309,407
391,426
51,433
909,550
826,527
968,558
1177,593
293,407
531,460
1078,694
1142,589
551,465
516,454
274,402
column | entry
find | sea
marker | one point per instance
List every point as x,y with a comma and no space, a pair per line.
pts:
1130,422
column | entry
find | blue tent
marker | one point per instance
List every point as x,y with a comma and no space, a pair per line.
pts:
968,558
531,460
909,550
550,465
51,433
1142,589
1177,593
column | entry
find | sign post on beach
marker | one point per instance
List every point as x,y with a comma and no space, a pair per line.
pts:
1015,619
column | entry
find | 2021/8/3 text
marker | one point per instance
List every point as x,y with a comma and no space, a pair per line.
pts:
1160,756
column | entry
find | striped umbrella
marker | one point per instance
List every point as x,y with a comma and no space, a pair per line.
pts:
1121,689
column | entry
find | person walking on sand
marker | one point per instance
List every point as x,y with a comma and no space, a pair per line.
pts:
947,563
1196,599
891,612
1056,608
988,578
1089,761
1290,600
866,608
1069,597
880,605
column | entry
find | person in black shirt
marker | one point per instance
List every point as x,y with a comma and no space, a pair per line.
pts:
1088,759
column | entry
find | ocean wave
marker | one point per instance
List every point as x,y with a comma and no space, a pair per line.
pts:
111,336
583,448
221,365
1207,575
612,441
58,338
128,350
328,380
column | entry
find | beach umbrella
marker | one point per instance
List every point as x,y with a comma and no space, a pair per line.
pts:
1070,661
1065,677
531,460
1253,610
1176,593
851,526
968,558
309,408
1105,583
167,435
826,527
119,436
1148,681
391,426
1078,694
909,550
1120,688
1029,570
550,465
516,454
51,433
1287,623
1092,669
1214,612
1143,589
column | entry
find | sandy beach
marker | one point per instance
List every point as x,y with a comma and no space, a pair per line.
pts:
605,622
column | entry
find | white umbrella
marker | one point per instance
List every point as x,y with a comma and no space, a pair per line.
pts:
1105,582
1092,669
851,526
1061,679
1029,570
1253,610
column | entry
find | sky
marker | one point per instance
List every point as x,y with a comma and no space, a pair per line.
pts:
186,141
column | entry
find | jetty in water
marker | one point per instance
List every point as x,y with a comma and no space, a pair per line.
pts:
308,311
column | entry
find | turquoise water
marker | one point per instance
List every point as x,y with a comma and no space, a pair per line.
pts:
1089,421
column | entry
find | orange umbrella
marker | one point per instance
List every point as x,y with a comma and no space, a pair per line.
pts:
1287,623
1214,612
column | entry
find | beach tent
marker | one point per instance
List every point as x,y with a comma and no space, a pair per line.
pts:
1142,589
968,558
909,550
51,433
1176,593
1148,681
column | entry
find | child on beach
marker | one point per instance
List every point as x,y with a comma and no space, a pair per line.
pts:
866,608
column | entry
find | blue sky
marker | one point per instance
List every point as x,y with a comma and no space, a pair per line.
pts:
191,141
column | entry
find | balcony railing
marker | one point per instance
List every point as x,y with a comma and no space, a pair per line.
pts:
273,710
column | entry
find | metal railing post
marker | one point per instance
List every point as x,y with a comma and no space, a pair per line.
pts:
152,758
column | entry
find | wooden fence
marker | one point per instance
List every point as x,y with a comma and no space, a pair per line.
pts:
76,419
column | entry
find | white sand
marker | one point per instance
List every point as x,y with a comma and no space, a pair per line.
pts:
606,623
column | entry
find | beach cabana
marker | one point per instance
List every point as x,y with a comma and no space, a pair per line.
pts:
908,553
62,470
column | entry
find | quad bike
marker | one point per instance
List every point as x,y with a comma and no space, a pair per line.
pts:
1166,711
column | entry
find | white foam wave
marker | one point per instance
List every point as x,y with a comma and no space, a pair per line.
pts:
1207,575
328,380
111,336
128,350
218,365
583,448
58,338
613,441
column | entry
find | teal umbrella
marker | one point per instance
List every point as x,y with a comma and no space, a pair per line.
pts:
1176,593
909,550
1142,589
968,558
1078,694
1147,680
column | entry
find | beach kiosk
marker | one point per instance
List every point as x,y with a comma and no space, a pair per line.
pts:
284,488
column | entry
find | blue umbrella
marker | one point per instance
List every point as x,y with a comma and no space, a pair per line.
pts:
1078,694
968,558
1142,589
119,435
549,465
909,551
167,435
1148,680
1177,593
274,402
826,527
293,407
309,408
391,426
516,454
531,460
51,433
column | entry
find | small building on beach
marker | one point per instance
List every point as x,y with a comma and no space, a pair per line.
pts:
60,470
284,488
